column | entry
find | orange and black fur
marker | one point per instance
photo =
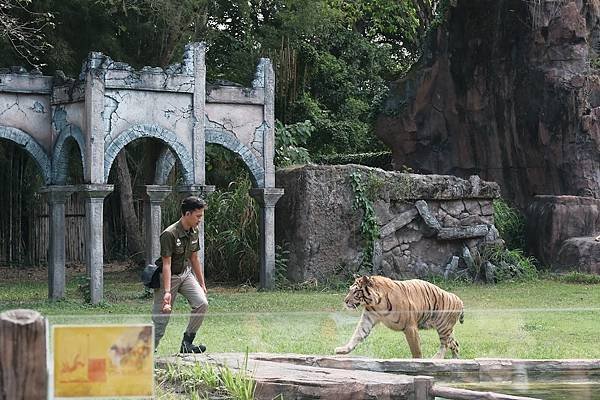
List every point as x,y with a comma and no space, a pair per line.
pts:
404,306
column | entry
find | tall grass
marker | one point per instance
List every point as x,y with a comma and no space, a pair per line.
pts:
208,381
510,223
510,261
232,234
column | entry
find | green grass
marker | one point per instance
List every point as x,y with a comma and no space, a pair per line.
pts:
545,318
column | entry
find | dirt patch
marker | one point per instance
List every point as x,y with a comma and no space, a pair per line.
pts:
121,271
11,273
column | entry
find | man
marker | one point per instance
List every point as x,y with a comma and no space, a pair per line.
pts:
178,249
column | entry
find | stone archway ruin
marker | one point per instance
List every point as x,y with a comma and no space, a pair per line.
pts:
109,106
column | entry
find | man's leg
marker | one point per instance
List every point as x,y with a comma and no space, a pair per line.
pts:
193,292
159,318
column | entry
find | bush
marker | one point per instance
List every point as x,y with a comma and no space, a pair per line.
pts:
289,140
381,159
511,265
232,234
510,224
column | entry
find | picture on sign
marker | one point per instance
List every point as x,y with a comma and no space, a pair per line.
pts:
103,361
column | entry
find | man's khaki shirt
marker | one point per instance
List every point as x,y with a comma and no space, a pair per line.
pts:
179,244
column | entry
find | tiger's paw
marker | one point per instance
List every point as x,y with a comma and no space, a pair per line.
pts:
342,350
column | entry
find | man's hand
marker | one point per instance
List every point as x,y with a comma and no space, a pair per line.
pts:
166,308
203,285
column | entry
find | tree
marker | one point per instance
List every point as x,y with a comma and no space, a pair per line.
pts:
24,30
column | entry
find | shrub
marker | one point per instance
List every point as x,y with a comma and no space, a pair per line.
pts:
510,223
232,234
511,265
289,140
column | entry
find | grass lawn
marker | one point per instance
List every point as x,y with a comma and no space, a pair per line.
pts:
540,319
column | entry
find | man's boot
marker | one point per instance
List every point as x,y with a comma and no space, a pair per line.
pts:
188,347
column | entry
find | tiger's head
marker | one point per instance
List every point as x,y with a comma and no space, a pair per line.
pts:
362,292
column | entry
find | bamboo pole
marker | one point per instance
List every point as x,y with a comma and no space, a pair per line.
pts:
22,355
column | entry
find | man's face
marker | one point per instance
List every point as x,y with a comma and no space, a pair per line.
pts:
193,218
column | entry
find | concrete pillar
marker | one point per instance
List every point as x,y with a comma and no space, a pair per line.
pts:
199,101
266,79
267,198
94,124
155,195
201,191
94,252
56,197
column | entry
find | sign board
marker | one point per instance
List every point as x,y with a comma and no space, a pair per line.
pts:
92,361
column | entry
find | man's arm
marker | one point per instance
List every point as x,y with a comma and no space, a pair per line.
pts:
197,268
167,244
166,277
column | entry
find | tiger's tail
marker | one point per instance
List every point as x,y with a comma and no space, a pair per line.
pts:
461,317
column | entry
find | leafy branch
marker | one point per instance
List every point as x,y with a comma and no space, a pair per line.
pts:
24,29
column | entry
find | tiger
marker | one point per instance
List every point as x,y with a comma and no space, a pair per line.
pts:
405,306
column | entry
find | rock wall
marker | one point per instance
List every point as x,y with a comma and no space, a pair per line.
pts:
561,232
508,90
423,221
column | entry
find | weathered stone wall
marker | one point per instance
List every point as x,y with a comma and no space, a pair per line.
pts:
423,220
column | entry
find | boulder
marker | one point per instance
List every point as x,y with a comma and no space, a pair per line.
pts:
553,219
581,254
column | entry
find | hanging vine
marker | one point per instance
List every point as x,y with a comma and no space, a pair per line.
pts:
369,228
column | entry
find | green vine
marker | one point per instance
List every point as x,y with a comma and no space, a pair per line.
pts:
369,228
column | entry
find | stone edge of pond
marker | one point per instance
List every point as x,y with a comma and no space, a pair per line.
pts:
297,380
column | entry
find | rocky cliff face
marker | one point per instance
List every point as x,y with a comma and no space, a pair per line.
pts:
509,91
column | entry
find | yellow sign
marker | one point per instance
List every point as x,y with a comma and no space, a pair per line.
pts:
103,361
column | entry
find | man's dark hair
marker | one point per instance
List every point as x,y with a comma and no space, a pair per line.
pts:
191,204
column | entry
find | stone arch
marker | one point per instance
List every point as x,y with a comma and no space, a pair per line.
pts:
165,163
230,142
32,147
60,161
154,131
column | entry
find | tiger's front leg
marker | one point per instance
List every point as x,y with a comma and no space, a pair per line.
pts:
414,341
364,327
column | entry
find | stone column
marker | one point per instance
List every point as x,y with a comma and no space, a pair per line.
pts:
94,252
199,103
267,198
56,197
265,78
155,195
201,191
94,124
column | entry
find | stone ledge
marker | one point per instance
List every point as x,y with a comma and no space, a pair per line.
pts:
402,186
465,370
296,381
342,377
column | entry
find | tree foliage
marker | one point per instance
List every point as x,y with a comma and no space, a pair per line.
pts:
22,31
333,58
